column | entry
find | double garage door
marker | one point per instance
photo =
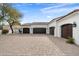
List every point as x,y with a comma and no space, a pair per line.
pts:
39,30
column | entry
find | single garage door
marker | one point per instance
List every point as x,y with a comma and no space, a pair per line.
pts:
39,30
66,30
52,30
26,30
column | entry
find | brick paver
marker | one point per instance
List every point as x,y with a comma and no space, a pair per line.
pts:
67,49
27,45
33,45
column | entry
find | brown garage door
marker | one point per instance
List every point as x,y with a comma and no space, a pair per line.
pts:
52,30
66,30
26,30
39,30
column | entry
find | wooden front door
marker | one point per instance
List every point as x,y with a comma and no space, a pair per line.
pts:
66,30
52,30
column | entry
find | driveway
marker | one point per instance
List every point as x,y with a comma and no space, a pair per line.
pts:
35,45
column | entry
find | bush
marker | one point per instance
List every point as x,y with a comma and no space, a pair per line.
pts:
70,40
5,31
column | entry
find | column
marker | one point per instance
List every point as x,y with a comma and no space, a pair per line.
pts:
47,30
31,30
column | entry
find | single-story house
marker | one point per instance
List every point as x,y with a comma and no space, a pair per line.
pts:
35,28
64,26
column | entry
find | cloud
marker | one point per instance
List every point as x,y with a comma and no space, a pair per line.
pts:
49,17
58,9
29,3
55,6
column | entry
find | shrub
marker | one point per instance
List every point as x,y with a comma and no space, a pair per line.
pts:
70,40
5,31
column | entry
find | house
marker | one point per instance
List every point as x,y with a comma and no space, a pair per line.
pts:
68,26
35,28
64,26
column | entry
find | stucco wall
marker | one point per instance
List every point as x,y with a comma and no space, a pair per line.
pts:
38,26
70,20
0,31
53,24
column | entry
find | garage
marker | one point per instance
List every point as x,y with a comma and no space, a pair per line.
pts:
66,30
52,30
39,30
26,30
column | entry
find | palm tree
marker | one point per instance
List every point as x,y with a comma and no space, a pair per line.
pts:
11,15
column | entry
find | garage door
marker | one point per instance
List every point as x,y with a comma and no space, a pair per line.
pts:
26,30
66,31
39,30
52,30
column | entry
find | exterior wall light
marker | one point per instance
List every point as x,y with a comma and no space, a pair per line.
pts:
74,24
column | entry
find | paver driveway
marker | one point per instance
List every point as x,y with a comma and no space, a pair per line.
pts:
31,45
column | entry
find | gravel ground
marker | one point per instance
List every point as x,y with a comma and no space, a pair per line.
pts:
35,45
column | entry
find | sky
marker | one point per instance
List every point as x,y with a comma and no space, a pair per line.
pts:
43,12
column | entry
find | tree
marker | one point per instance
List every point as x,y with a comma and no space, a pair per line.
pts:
2,15
11,15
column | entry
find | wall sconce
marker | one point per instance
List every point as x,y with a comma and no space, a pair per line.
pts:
74,24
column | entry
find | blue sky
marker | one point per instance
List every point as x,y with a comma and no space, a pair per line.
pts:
43,12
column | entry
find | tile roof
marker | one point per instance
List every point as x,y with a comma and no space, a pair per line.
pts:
56,19
26,24
35,23
39,23
68,14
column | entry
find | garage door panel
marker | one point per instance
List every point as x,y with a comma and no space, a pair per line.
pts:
52,30
26,30
39,30
66,30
